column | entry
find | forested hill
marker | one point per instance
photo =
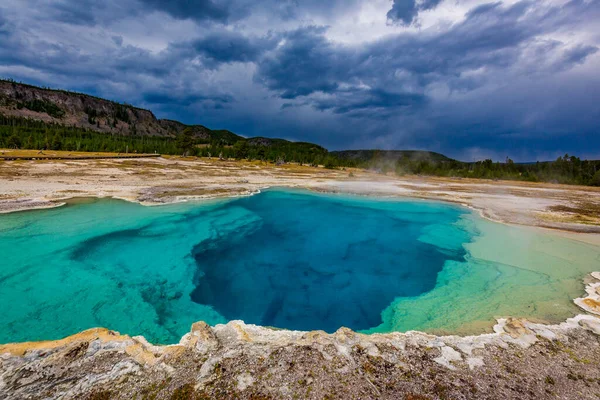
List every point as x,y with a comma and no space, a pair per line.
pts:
390,155
95,114
32,117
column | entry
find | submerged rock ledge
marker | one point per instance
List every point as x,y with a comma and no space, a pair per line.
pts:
520,359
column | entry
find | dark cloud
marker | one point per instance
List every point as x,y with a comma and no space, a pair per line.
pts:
183,99
405,12
305,63
82,13
5,26
578,54
357,101
228,11
307,9
192,9
226,46
118,40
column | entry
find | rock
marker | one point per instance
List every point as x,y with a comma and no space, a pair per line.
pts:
591,303
201,337
516,328
244,381
448,356
475,362
591,324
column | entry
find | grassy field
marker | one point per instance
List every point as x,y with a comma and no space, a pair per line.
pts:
58,154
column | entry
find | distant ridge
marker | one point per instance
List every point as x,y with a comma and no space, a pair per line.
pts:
390,155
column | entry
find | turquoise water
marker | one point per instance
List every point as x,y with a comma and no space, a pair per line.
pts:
287,259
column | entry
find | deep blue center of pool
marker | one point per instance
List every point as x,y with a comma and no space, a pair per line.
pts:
306,262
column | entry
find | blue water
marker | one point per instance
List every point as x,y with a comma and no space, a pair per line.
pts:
287,259
312,262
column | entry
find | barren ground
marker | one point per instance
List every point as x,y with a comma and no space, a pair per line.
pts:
522,360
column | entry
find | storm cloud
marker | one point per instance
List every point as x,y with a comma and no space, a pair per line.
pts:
467,78
406,11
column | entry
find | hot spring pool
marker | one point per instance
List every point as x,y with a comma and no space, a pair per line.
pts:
282,258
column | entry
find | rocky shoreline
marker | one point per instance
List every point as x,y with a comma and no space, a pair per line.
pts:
520,360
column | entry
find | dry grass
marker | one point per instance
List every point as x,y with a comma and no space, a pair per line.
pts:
4,153
581,208
502,183
579,212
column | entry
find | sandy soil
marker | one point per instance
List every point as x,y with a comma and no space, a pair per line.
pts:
44,183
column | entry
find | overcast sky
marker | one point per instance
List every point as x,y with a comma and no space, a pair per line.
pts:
471,79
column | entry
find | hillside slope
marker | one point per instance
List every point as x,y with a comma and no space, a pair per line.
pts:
390,155
79,110
95,114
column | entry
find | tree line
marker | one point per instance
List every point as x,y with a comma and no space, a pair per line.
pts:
24,133
268,150
565,169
